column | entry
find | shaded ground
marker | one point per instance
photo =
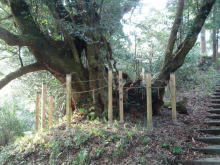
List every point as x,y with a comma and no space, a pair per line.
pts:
98,143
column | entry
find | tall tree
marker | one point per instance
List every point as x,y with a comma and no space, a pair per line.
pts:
174,57
66,37
215,36
203,41
71,37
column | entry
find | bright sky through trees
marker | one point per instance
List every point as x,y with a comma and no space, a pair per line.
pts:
157,4
139,14
142,11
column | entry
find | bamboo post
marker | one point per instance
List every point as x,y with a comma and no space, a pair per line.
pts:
173,96
37,111
43,108
149,102
50,111
68,99
121,104
110,111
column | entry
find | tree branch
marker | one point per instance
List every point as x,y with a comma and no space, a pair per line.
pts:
174,31
20,72
12,39
192,35
19,56
58,10
5,18
184,48
190,40
24,19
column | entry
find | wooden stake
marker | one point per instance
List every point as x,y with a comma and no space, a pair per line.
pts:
110,111
68,99
50,111
93,96
43,108
143,73
173,96
121,104
149,102
37,111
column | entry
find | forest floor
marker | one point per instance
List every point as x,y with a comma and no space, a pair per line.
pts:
97,143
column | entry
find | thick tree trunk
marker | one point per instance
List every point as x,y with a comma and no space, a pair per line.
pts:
88,60
72,55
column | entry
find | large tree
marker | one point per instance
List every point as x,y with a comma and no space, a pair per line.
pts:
71,37
66,37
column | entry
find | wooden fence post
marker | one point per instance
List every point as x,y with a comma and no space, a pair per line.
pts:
93,96
173,96
50,111
37,110
121,104
68,99
149,102
110,111
43,108
143,73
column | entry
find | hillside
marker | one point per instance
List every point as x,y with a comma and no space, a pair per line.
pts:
96,142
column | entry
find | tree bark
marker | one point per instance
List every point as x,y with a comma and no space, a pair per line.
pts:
90,60
87,61
20,72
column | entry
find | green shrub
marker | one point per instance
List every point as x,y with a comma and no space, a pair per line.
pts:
14,121
82,158
56,152
10,126
189,75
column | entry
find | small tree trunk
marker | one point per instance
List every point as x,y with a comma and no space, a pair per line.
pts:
214,37
214,45
203,41
217,53
175,59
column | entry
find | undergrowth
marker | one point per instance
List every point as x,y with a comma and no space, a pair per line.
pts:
81,145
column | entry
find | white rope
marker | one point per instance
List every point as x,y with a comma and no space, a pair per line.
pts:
91,90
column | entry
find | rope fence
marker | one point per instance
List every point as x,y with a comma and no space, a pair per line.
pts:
41,99
96,89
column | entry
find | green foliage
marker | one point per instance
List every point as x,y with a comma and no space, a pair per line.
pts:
99,133
144,46
166,146
15,115
81,138
10,126
120,147
82,158
99,152
145,140
176,150
82,110
190,75
56,151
